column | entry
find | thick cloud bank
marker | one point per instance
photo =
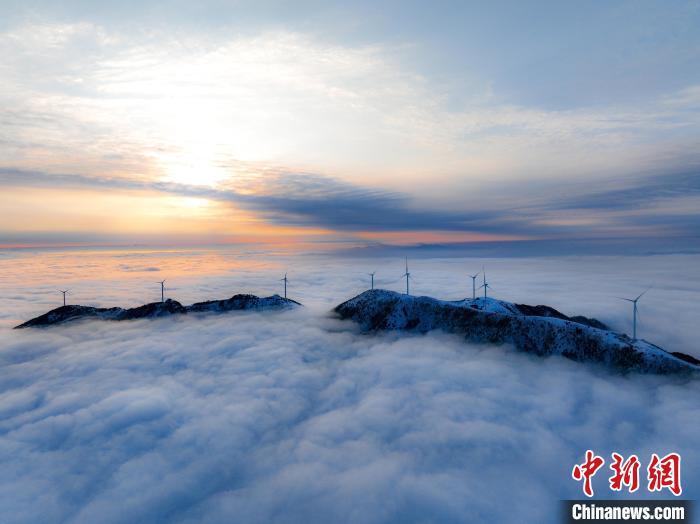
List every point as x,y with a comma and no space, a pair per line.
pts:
293,417
296,417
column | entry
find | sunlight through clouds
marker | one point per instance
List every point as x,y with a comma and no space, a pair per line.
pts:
238,110
181,109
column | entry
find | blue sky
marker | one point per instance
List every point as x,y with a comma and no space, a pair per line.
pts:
453,121
555,55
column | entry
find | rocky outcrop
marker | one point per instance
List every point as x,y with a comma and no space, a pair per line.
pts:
497,322
159,309
68,313
244,302
546,311
153,310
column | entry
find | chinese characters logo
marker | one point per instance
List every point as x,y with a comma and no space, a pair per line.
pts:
662,472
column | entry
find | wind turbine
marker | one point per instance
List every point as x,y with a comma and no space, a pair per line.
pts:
372,276
407,275
473,277
485,285
285,280
634,312
64,295
162,290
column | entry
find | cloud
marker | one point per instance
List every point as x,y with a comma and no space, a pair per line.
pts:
131,268
151,108
652,209
309,199
144,101
292,418
662,204
297,417
301,199
639,193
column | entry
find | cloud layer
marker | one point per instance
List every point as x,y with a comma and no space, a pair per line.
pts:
297,417
292,418
657,209
401,146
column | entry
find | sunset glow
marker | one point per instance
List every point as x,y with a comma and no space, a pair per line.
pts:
275,129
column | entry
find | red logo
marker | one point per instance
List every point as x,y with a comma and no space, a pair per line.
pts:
665,473
662,472
625,474
586,471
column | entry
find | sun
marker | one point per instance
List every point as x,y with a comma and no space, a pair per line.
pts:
194,169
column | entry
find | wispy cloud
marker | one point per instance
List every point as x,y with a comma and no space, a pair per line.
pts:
290,198
215,115
178,108
655,206
639,193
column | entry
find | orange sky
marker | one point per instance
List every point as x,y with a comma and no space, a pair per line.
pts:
138,213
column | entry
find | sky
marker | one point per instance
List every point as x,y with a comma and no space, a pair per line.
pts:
298,417
365,123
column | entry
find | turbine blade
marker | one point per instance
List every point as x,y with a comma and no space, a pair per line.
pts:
627,299
642,293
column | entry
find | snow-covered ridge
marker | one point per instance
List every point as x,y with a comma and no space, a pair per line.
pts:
160,309
534,329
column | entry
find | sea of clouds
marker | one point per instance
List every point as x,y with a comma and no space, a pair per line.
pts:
297,417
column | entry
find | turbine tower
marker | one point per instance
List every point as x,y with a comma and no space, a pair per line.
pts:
64,295
285,280
485,285
162,290
473,277
407,275
372,276
634,312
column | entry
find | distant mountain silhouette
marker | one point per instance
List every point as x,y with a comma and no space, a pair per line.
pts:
159,309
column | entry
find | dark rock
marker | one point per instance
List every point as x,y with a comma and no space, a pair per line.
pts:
153,310
244,302
590,322
67,313
546,311
686,358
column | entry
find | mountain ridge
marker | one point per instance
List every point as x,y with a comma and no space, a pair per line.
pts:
499,322
238,302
